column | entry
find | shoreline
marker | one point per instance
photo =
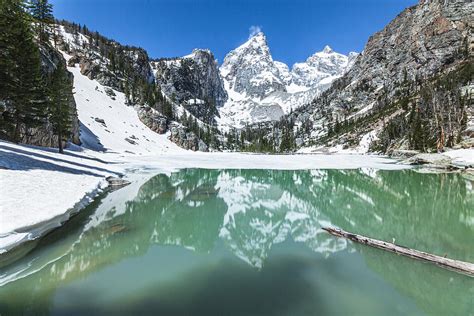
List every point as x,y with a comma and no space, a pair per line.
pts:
22,235
126,166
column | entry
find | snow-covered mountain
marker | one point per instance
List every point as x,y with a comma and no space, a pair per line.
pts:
262,89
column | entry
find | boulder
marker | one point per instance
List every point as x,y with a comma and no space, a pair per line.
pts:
116,182
131,141
109,92
99,120
433,161
187,140
402,153
153,119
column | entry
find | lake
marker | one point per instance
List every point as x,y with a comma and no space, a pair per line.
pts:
249,242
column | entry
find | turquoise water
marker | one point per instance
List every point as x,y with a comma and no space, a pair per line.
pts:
248,242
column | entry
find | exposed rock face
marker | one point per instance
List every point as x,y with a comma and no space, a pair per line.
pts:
86,52
95,67
423,41
43,136
153,119
194,82
186,140
261,89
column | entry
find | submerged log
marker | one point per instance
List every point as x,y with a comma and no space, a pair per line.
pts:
450,264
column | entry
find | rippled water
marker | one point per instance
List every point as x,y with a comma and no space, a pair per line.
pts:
248,242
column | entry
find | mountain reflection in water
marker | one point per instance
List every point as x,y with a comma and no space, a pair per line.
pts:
248,214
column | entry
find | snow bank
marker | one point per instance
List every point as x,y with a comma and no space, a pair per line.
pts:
41,189
108,123
461,156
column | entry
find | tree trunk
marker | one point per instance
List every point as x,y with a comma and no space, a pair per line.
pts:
60,141
450,264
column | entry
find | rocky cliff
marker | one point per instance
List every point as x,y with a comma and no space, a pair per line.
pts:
194,82
402,73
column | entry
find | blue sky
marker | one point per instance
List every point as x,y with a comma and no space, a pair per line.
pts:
295,29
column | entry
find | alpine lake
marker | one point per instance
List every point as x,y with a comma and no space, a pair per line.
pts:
249,242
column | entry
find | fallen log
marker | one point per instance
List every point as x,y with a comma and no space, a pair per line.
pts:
450,264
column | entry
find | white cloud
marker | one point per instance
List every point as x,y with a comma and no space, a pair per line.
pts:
254,30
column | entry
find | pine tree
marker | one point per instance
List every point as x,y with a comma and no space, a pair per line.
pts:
184,118
167,109
59,110
126,91
42,12
7,66
22,88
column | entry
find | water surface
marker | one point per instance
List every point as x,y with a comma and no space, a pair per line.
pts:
249,242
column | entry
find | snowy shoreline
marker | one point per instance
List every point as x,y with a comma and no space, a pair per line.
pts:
42,189
50,188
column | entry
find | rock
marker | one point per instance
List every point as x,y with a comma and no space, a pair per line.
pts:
116,182
74,60
469,131
186,140
131,141
99,120
250,69
109,92
202,146
299,142
117,229
430,160
153,119
403,153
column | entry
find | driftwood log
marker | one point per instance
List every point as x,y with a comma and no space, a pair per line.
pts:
450,264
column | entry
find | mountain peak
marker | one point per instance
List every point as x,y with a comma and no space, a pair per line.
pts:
327,49
258,39
257,34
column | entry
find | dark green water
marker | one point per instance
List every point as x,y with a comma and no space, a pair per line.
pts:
248,242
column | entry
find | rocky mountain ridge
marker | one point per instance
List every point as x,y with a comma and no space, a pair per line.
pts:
415,73
411,88
262,89
193,81
193,91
